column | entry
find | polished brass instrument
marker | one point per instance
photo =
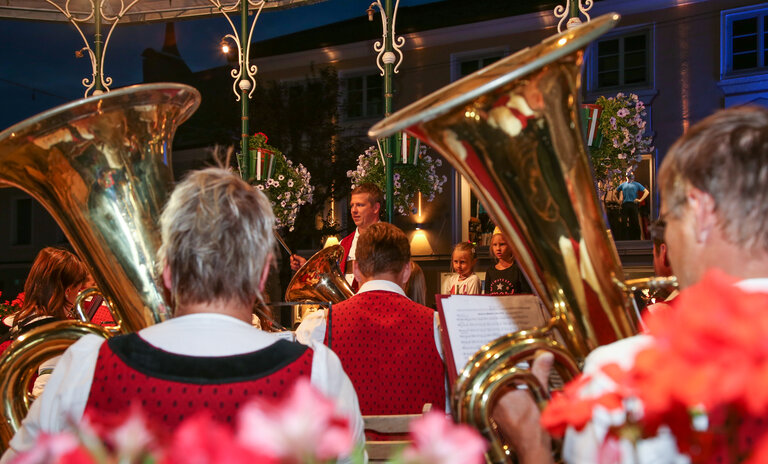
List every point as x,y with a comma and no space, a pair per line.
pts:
319,279
20,363
101,167
512,130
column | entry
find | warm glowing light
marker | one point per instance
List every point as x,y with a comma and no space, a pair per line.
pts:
224,48
331,241
420,244
562,41
419,210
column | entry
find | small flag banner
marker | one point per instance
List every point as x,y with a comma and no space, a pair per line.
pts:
590,123
262,163
406,149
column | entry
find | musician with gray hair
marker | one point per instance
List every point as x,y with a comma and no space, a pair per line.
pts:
715,211
217,248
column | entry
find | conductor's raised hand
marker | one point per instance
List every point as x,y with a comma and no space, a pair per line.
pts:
296,262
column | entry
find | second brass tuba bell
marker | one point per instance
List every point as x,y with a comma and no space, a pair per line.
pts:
512,130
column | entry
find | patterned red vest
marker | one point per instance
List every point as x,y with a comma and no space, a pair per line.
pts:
171,387
387,347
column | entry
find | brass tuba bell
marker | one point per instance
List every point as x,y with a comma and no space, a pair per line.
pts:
101,167
512,130
319,279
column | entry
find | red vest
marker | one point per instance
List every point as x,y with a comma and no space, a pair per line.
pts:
386,345
346,243
171,387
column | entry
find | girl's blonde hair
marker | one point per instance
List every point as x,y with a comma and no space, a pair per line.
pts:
464,246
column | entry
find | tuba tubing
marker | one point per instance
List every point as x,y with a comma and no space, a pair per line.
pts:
512,130
20,361
101,167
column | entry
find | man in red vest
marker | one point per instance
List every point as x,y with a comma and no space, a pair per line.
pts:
365,206
217,245
388,344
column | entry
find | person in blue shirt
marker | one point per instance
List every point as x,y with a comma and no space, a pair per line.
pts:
628,192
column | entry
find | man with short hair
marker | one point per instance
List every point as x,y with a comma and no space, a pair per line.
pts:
217,247
715,208
661,266
388,344
365,205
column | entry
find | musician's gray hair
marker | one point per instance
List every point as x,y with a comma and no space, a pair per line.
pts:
725,156
217,236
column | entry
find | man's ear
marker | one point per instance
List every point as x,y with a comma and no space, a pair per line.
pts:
703,209
664,255
405,274
356,272
265,273
167,280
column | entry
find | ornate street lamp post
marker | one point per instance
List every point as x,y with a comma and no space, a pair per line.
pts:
572,11
388,61
244,74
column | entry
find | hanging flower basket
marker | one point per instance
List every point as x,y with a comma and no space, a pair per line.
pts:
287,186
623,122
409,179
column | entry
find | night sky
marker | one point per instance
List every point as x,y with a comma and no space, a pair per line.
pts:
39,70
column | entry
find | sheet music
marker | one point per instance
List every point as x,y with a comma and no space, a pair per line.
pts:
475,320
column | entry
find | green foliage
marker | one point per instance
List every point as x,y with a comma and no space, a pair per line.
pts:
300,117
289,186
408,179
623,124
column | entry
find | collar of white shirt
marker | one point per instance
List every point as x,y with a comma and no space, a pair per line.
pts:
385,285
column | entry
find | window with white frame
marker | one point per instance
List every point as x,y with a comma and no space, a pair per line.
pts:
622,61
467,67
465,63
363,96
746,41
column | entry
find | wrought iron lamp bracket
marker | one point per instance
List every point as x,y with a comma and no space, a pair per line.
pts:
384,56
571,13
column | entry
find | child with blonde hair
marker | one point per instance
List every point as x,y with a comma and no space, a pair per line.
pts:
464,281
504,277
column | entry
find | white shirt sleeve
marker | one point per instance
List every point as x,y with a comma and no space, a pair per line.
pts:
64,398
312,328
43,374
584,446
329,377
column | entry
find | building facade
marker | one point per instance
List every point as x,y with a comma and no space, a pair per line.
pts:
684,59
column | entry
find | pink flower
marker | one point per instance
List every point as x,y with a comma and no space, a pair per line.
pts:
132,438
49,448
609,452
437,440
304,425
200,440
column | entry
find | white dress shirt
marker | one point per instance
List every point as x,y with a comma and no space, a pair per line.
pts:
209,335
348,271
